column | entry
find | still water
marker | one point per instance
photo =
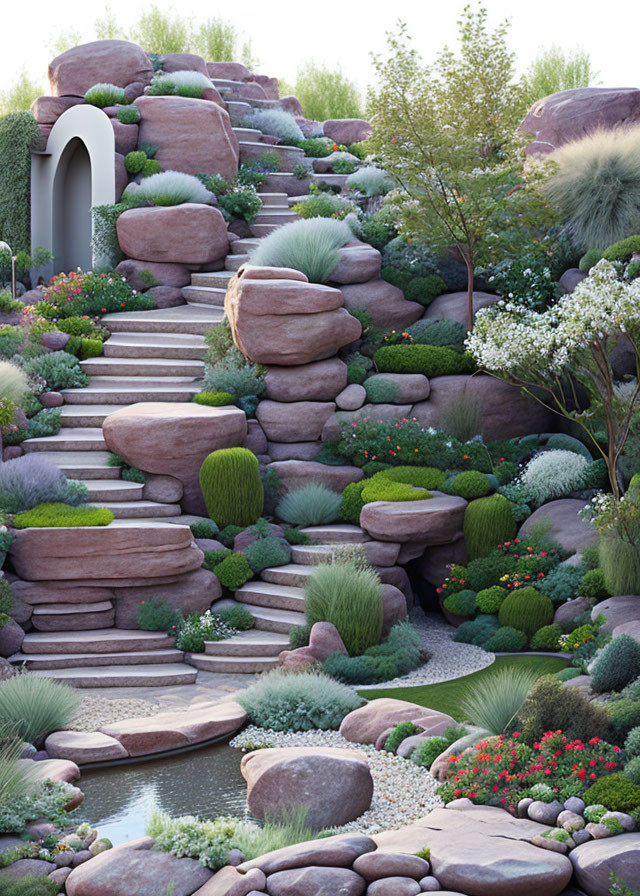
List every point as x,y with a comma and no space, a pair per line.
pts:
119,800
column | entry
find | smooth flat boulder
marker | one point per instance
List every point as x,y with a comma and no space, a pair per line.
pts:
38,593
192,135
228,71
296,473
359,262
379,864
314,881
318,381
618,610
436,520
293,421
410,386
286,321
174,438
229,882
567,528
366,724
48,109
595,861
26,868
346,130
83,747
191,233
351,398
118,62
455,306
184,62
334,784
339,851
394,886
384,303
162,488
167,274
192,593
116,551
136,869
293,450
504,412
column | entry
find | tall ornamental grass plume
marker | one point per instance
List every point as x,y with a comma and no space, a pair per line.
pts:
14,383
15,782
298,701
495,701
36,706
31,479
312,505
350,597
172,188
596,187
311,246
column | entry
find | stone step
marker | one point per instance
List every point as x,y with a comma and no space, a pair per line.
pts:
336,180
270,200
215,279
87,415
245,246
270,620
73,617
261,230
205,295
83,464
104,640
75,660
113,490
69,439
252,134
236,665
138,510
237,110
143,675
119,390
294,574
276,216
163,367
285,180
183,319
233,262
226,82
266,594
289,156
338,533
378,553
155,345
252,643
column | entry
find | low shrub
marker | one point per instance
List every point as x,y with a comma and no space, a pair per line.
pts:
623,250
60,370
430,360
592,585
298,702
240,203
172,188
489,600
352,502
197,629
550,707
299,635
447,333
228,534
213,399
232,487
477,631
379,488
323,205
394,657
547,638
420,477
35,706
28,886
128,115
562,583
553,474
494,702
310,246
624,716
181,83
46,422
268,552
311,505
425,289
526,609
14,383
134,161
213,558
156,615
590,259
617,664
463,603
381,391
83,349
104,94
370,180
204,529
239,379
615,792
506,639
399,733
632,770
294,536
30,480
151,166
426,753
57,515
276,123
471,484
233,571
632,743
237,617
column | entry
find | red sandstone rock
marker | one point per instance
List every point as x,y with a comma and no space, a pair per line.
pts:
347,130
359,263
190,233
173,275
454,306
436,520
384,303
48,109
126,136
394,605
118,62
184,62
294,421
365,725
318,381
296,473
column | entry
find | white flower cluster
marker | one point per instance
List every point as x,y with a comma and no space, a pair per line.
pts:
554,474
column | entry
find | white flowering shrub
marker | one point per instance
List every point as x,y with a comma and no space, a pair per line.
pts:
172,188
553,474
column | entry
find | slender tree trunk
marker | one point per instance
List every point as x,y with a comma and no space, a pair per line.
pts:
469,262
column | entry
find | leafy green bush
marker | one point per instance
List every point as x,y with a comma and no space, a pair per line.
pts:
214,399
323,205
562,583
592,585
550,707
171,188
36,706
237,617
156,615
526,609
430,360
430,748
239,378
446,333
298,702
129,115
352,502
615,792
233,571
494,702
299,635
506,639
228,534
103,94
213,558
46,422
463,603
83,349
59,515
420,477
489,600
134,161
487,523
204,529
351,599
471,484
425,289
399,733
394,657
381,391
231,486
632,743
547,638
60,370
294,536
268,552
311,505
151,166
310,246
632,770
589,260
241,202
617,664
624,715
623,250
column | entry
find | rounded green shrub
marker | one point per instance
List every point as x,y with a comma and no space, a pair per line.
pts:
617,664
632,770
506,640
311,505
215,557
546,638
624,716
233,572
623,249
214,399
268,551
294,536
401,731
425,289
104,94
420,477
156,615
381,391
614,791
477,631
380,488
228,534
590,258
151,166
128,115
471,484
352,502
632,743
487,522
134,161
462,604
204,529
237,617
232,487
527,610
430,360
592,585
489,600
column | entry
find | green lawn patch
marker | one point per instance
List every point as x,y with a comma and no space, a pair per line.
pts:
448,695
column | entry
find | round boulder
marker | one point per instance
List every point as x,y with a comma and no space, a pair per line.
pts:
318,381
365,725
572,533
384,303
190,233
118,62
594,862
346,130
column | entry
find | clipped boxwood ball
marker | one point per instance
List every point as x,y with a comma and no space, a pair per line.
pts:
527,610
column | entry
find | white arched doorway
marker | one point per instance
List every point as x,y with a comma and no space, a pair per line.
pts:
74,173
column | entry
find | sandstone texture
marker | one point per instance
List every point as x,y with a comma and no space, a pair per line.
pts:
296,473
118,62
318,381
365,725
346,130
190,233
566,526
436,520
384,303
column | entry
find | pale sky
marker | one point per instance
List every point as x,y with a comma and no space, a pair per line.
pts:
286,33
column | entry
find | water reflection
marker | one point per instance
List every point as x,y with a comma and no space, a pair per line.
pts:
119,800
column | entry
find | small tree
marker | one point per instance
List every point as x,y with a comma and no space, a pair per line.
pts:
556,354
446,134
162,32
554,70
327,93
20,95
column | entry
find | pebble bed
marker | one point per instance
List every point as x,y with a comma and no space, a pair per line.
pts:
403,792
94,712
448,658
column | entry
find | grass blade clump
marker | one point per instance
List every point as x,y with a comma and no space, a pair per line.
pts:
36,706
14,383
351,599
370,180
277,123
31,479
311,246
15,782
312,505
172,188
494,703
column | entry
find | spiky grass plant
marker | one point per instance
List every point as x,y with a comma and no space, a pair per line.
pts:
104,94
494,703
36,706
370,180
181,83
15,782
312,505
30,480
596,187
14,383
277,123
311,246
349,597
172,188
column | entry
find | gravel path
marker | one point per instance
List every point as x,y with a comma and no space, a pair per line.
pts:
449,659
403,792
94,712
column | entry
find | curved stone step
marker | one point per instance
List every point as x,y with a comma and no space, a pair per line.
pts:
143,675
87,415
265,594
182,319
125,390
131,367
205,295
155,345
104,640
245,245
76,660
339,533
248,665
294,574
378,553
234,262
73,617
251,643
270,620
83,464
140,510
216,279
113,490
68,439
272,200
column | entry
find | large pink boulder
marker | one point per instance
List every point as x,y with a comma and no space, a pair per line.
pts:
571,114
436,520
318,381
384,303
193,136
48,109
594,862
174,438
504,412
118,62
172,275
325,640
359,262
335,784
286,321
365,725
295,473
293,421
573,533
347,130
228,71
455,306
184,62
190,233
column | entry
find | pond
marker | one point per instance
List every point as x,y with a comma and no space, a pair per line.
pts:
119,800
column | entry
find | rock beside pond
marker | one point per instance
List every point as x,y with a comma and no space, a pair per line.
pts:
340,851
229,882
84,746
335,784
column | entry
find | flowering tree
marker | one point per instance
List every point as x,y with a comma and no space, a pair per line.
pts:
551,354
